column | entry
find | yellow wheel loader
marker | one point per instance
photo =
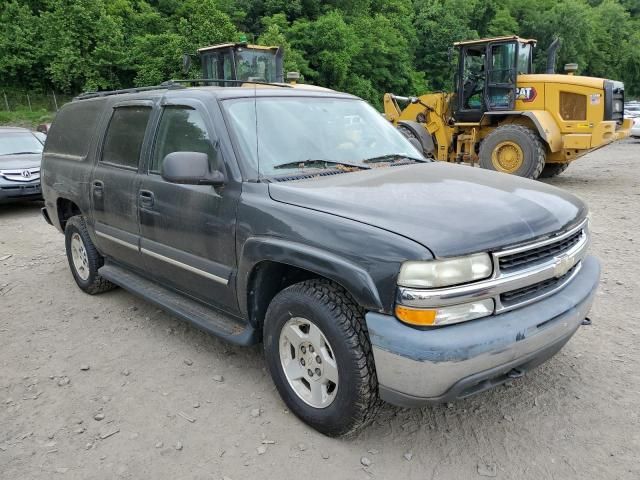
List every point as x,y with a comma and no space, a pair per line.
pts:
506,118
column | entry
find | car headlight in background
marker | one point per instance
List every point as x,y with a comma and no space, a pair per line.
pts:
444,273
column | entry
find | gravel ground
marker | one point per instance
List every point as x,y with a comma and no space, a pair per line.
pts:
108,386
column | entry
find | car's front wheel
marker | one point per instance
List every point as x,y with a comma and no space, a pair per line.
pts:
319,355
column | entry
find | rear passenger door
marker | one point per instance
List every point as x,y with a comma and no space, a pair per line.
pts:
114,185
188,231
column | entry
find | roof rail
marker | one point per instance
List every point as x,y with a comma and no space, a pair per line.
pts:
208,81
177,83
164,85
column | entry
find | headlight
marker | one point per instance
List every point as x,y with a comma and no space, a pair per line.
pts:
443,273
445,315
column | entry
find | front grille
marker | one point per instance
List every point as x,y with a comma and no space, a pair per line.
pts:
520,260
23,175
533,291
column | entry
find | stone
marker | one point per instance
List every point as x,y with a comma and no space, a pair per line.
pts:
408,456
218,378
64,381
178,445
84,367
188,362
487,470
365,462
98,416
261,450
255,412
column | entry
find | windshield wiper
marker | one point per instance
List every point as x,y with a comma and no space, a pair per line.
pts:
318,163
19,153
391,157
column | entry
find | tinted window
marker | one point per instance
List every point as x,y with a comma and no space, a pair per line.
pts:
74,127
123,141
181,129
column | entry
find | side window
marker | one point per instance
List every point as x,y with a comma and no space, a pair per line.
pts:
125,134
181,129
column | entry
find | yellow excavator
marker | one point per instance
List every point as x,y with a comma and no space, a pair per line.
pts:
504,117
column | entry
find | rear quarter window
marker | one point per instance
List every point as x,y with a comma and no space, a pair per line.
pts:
73,128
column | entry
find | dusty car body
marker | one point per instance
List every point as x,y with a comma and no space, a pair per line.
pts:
366,271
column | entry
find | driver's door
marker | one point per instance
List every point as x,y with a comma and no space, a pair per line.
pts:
501,76
471,84
187,232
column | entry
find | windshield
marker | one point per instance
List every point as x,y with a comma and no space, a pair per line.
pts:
19,143
296,130
256,65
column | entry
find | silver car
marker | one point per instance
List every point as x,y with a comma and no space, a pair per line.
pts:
20,156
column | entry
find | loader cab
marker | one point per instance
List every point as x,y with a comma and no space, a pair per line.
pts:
241,62
487,73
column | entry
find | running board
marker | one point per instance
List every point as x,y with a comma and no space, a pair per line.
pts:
200,315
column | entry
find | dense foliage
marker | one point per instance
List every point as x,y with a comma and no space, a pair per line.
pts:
365,47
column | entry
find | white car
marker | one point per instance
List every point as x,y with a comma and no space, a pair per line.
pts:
635,128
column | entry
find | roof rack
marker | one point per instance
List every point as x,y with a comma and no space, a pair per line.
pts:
207,81
164,85
177,83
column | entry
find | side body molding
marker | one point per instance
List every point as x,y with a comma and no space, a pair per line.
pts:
321,262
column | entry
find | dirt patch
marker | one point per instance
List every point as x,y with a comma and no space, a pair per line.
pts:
110,387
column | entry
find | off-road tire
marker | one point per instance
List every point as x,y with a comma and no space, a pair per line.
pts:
533,149
553,169
94,283
342,322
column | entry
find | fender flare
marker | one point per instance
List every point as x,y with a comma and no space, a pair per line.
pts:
421,133
544,122
349,275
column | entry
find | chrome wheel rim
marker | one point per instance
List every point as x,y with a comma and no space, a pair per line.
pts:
308,362
79,256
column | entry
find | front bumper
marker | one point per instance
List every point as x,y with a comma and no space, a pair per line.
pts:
16,191
417,367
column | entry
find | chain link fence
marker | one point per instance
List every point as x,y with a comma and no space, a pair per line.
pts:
12,101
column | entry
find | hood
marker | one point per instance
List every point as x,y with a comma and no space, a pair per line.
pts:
450,209
16,162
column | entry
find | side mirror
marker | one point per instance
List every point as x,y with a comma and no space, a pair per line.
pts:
190,168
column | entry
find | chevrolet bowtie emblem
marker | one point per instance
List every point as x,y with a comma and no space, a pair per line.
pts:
563,265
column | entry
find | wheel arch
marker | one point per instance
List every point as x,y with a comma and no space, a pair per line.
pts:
540,120
266,259
65,209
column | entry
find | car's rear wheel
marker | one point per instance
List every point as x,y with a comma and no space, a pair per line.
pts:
319,355
84,259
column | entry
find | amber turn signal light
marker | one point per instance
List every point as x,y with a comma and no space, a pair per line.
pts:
413,316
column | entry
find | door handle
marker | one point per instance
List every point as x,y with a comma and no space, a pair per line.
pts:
147,198
98,188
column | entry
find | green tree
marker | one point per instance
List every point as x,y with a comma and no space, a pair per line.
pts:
20,63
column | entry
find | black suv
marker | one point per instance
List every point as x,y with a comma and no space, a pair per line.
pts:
299,217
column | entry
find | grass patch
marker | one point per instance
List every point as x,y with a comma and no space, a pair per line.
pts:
25,117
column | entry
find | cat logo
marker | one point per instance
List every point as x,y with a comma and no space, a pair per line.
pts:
526,94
